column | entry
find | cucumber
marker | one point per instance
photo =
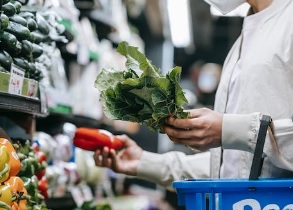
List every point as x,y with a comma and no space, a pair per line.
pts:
37,50
36,37
22,63
5,60
27,48
43,24
7,39
8,9
17,6
31,24
5,1
4,21
33,68
37,75
16,50
18,19
26,15
21,32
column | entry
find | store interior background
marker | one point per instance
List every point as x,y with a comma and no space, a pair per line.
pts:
96,27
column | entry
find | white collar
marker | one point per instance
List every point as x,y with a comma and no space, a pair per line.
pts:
254,20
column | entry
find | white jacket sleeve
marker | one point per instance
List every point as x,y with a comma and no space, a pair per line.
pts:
240,132
165,168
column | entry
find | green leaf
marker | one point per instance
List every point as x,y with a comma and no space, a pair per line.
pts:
174,76
137,61
140,93
108,78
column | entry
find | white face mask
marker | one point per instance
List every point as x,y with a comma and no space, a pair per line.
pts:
225,6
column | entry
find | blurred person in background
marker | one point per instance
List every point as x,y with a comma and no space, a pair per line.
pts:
257,80
206,80
202,80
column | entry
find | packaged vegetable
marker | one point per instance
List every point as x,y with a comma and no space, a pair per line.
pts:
92,139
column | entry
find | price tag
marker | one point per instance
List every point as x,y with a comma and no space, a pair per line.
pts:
87,193
32,88
77,195
16,80
43,98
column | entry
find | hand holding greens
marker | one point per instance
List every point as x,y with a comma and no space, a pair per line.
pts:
140,93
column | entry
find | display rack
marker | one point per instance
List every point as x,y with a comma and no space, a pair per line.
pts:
54,122
79,120
22,104
61,203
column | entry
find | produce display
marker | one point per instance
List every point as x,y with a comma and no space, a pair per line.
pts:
92,139
23,186
23,35
140,93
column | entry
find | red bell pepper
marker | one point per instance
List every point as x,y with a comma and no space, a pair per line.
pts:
43,186
42,159
92,139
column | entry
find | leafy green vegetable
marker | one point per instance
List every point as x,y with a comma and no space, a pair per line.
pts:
140,93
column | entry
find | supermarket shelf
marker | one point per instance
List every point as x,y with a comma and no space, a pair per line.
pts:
17,103
61,203
53,123
77,120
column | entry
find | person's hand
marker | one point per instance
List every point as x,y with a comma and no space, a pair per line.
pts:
202,130
124,161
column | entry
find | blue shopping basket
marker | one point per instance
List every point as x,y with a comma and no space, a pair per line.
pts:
235,194
238,194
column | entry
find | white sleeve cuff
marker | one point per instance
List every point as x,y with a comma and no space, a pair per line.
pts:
239,131
151,166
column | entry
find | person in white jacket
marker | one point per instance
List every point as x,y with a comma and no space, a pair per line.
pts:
257,79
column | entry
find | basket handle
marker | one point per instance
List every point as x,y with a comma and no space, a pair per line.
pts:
258,158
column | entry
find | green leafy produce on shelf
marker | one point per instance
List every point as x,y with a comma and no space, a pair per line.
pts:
141,93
